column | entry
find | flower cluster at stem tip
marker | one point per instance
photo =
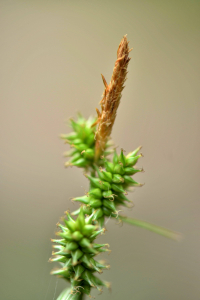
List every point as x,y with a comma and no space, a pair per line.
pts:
110,180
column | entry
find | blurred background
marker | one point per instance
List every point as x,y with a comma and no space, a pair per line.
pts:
52,55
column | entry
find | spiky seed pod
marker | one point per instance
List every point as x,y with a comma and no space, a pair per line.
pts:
108,189
75,252
111,97
82,142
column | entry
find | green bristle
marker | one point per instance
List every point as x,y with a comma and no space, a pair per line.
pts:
89,153
62,252
71,225
66,235
76,212
78,271
93,263
101,266
97,193
121,196
71,246
76,142
87,210
68,263
86,260
98,183
109,204
59,259
86,275
99,281
85,243
131,171
70,136
107,212
59,247
117,178
97,246
94,203
88,230
76,255
83,199
107,176
76,157
129,180
74,124
80,221
63,228
81,163
60,242
122,158
117,188
64,272
90,140
70,153
101,221
109,166
90,218
77,236
98,171
96,233
108,194
134,153
103,250
131,161
98,214
81,147
118,169
115,158
69,216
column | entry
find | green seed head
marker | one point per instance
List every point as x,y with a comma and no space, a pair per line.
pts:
76,252
108,187
82,141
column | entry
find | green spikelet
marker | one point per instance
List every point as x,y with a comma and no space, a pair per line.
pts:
82,142
108,187
76,254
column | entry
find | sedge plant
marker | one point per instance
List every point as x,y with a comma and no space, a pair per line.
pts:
110,177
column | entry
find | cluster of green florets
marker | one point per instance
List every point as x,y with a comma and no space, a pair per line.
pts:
75,252
109,189
109,183
82,142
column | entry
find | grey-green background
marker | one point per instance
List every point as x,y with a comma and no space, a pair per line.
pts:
52,55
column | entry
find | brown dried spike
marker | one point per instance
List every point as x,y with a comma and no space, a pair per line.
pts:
111,97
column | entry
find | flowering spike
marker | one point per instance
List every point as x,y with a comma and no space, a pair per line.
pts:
111,97
76,250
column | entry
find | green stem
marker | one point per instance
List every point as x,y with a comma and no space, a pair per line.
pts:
66,294
157,229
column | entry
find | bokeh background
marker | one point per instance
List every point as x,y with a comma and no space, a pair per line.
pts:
52,54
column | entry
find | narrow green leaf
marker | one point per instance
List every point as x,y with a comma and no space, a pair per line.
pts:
157,229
